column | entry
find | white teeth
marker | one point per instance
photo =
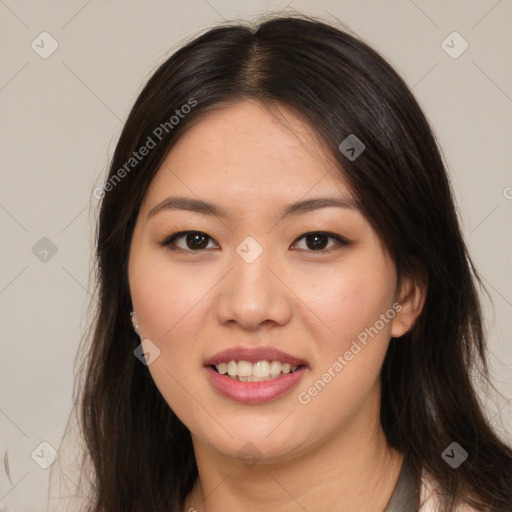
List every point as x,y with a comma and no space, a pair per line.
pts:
232,368
244,368
261,370
275,368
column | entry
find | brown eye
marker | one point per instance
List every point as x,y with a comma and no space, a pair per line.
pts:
193,241
196,241
319,241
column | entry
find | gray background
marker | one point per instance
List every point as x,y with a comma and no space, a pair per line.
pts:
62,115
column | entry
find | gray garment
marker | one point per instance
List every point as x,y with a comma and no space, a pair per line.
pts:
406,495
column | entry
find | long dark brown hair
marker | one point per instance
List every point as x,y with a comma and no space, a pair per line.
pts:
141,453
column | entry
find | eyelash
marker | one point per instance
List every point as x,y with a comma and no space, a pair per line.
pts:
168,242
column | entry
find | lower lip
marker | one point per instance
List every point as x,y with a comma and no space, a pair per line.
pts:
254,392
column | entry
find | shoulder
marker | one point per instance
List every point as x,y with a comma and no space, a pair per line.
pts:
429,497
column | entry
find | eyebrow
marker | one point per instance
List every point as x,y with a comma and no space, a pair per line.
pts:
207,208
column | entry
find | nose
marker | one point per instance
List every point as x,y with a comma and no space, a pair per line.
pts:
254,295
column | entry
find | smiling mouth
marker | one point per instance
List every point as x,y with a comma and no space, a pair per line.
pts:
260,371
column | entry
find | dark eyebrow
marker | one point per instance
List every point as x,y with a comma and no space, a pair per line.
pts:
206,208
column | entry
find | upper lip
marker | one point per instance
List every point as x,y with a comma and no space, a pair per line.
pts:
253,355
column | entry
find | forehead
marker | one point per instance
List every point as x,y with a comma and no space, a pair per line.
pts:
249,151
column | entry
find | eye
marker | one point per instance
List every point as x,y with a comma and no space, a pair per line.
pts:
319,241
197,241
194,241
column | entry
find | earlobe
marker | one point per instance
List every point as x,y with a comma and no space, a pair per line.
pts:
411,297
135,322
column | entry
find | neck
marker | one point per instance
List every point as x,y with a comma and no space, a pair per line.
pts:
355,471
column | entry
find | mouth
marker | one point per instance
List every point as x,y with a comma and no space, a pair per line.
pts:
260,371
254,375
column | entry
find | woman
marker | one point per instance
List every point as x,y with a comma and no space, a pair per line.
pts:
288,316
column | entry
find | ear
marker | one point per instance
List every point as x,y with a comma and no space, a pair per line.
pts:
411,295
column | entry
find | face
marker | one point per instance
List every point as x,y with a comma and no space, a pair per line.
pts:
254,276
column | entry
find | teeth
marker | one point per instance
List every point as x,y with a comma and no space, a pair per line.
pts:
257,372
275,368
244,368
232,368
260,369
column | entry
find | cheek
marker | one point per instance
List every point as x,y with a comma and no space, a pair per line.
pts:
165,298
172,310
352,339
347,299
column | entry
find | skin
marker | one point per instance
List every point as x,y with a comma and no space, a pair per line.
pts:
330,454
